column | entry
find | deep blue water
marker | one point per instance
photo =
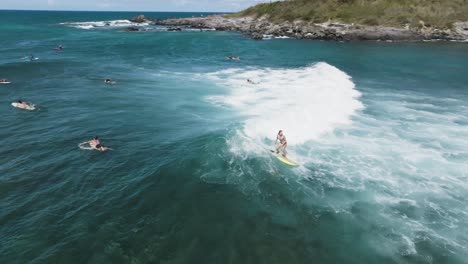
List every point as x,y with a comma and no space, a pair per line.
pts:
380,131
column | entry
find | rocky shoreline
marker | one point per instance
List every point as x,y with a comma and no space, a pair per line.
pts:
258,28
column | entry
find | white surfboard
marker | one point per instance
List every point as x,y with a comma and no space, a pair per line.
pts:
85,146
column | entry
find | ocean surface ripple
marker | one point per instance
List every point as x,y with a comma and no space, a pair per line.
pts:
380,131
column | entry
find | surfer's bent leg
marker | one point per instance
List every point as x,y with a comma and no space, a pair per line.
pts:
277,148
284,149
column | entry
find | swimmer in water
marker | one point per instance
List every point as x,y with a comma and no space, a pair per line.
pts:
108,81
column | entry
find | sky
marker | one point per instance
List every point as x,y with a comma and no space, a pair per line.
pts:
131,5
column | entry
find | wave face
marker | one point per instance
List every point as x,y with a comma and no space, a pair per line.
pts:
305,103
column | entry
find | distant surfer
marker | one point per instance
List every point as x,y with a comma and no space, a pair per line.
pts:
95,143
24,105
31,57
282,143
108,81
4,81
232,58
250,81
60,47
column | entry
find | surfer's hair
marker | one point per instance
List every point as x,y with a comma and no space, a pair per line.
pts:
280,131
95,137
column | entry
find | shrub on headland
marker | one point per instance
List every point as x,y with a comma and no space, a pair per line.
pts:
416,13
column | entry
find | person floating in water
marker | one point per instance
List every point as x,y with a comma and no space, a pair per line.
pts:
250,81
95,143
108,81
282,143
60,47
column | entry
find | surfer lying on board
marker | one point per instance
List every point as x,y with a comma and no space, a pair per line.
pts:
282,143
96,144
108,81
23,105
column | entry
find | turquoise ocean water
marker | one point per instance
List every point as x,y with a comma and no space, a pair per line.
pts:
380,130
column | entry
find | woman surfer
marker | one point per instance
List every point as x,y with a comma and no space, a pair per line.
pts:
282,143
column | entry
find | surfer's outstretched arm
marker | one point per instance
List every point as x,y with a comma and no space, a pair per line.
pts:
102,148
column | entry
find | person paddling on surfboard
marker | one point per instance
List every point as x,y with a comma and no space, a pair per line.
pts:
22,104
95,143
282,143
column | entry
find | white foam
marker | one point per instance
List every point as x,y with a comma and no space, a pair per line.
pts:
385,199
267,37
103,24
85,27
304,102
410,246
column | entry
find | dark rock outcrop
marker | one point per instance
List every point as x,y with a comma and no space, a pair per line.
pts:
139,19
174,29
132,29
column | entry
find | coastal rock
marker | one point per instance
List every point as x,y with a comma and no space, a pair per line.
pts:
257,28
381,33
132,29
139,19
461,28
174,29
256,36
273,30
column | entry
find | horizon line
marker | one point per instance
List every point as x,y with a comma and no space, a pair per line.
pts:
56,10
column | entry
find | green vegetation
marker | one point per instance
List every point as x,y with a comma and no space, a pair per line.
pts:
434,13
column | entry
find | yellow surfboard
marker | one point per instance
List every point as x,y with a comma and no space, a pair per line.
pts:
284,159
